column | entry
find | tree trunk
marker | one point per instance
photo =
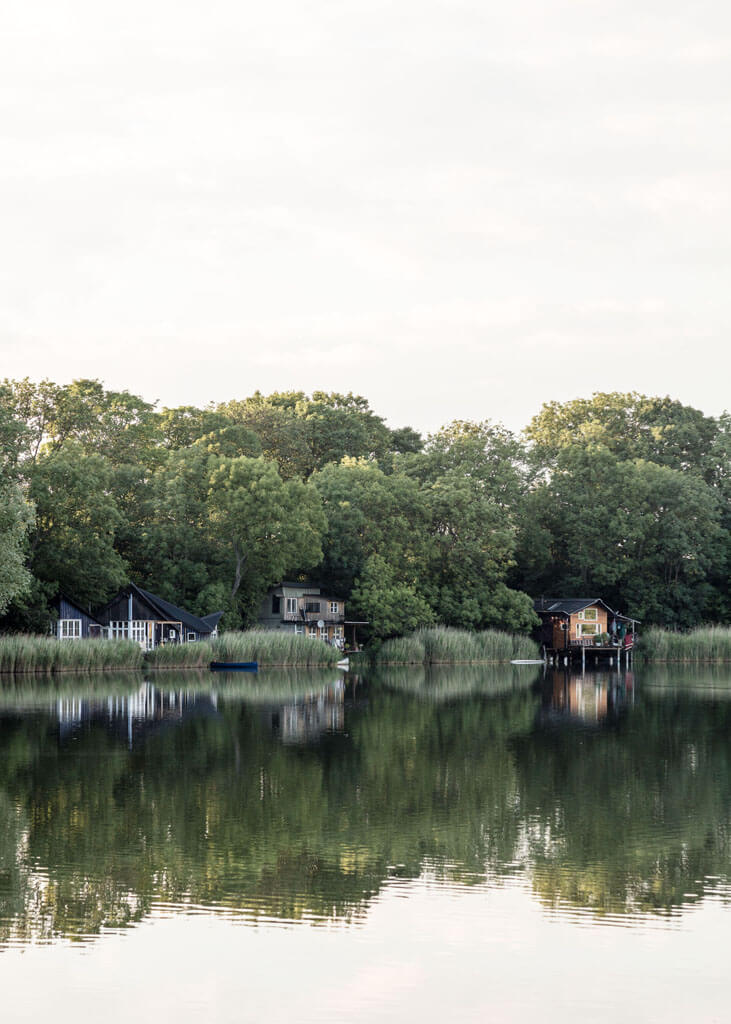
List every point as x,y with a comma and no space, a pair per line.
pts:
240,562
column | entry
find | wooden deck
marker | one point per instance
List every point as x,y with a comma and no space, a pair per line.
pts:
589,655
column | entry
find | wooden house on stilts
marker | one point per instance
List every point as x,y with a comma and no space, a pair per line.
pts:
581,628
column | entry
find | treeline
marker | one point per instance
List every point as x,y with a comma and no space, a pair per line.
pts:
619,495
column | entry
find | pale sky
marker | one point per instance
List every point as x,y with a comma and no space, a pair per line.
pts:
458,209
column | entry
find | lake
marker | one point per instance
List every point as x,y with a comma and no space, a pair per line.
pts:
462,844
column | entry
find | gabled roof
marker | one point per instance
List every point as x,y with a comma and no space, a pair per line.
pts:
167,611
568,605
61,596
172,612
573,605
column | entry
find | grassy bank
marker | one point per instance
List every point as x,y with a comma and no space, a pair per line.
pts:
443,646
45,655
709,643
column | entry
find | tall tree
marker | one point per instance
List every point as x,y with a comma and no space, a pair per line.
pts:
472,482
266,525
642,536
72,545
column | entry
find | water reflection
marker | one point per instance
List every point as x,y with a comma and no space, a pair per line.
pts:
298,796
585,698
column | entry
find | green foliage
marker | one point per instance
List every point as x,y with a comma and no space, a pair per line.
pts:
115,424
265,524
72,545
472,485
304,434
622,495
389,607
16,519
705,644
45,654
641,535
629,426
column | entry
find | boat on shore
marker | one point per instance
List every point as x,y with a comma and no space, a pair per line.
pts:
234,666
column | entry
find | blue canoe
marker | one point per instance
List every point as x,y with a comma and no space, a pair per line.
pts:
234,666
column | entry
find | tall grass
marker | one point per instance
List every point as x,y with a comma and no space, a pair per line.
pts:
273,648
46,655
446,646
709,643
198,655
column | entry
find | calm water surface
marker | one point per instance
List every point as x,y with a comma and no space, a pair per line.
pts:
462,844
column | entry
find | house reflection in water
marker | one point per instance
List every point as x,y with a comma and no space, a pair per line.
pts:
302,719
591,698
308,717
131,715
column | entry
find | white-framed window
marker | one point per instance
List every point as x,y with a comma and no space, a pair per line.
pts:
135,630
588,629
334,607
69,629
338,632
299,629
312,632
589,614
191,637
291,605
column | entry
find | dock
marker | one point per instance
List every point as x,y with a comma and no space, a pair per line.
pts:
589,655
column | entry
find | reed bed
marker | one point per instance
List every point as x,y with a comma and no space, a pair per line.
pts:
271,648
45,655
706,644
186,656
446,646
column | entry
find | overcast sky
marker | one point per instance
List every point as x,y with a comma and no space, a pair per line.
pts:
459,208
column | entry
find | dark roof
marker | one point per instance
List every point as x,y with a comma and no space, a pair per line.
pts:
61,596
567,605
165,610
171,611
573,605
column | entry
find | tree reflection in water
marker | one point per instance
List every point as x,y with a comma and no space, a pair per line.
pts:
294,797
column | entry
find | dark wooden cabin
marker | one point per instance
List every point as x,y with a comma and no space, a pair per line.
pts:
137,614
73,623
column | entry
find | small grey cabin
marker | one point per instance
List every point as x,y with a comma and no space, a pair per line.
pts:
300,608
